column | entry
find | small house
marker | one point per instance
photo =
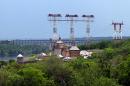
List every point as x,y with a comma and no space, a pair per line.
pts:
20,58
74,51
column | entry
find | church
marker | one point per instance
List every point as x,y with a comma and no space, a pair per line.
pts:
60,48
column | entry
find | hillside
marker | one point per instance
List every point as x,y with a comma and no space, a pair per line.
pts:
111,67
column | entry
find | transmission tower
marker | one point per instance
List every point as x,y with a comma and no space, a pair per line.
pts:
117,30
54,18
88,19
71,19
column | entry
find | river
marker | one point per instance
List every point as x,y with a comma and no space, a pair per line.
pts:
7,58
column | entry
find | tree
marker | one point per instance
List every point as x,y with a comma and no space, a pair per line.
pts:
109,53
33,77
103,81
88,70
62,74
4,78
104,61
123,71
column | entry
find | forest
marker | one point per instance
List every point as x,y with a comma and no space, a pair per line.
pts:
109,67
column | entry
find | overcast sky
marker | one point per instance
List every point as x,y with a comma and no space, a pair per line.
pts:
27,19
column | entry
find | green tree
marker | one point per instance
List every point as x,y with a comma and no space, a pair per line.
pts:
4,78
33,77
123,72
103,81
88,71
62,74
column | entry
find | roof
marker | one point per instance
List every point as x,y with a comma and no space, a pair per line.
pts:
85,53
74,48
66,59
60,56
59,42
43,54
20,55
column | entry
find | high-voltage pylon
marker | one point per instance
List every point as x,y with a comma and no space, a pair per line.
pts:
54,18
88,19
117,30
71,18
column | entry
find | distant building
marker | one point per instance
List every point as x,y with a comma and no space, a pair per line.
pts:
60,48
41,56
20,58
74,51
86,54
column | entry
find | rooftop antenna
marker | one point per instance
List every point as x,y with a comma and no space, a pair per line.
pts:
117,30
54,18
88,19
71,19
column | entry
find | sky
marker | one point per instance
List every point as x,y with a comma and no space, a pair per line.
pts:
27,19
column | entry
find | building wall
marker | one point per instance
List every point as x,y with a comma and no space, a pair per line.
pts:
20,59
74,53
57,51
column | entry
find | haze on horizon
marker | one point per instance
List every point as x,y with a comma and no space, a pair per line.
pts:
27,19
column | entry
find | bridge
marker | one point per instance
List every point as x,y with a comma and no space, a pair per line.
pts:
47,42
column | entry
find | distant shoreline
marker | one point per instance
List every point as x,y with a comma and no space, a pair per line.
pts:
109,37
